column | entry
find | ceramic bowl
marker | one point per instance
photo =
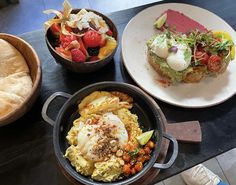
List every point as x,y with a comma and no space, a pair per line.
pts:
82,67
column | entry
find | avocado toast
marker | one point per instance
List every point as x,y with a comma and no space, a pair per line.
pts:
188,56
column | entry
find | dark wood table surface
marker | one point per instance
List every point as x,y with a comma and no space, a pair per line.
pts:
26,147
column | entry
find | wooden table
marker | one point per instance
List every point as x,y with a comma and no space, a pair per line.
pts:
26,148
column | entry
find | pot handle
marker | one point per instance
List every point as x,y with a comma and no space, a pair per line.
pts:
174,154
47,104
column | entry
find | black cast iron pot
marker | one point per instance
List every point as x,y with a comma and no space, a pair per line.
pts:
149,115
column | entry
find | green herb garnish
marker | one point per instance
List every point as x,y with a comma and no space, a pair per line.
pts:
134,152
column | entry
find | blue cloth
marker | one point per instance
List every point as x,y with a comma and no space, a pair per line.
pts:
222,183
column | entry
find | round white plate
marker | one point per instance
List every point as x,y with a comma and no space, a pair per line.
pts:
208,92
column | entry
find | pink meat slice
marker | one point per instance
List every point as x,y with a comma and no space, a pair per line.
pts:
181,22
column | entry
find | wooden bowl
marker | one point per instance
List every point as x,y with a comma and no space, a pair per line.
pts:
83,67
33,62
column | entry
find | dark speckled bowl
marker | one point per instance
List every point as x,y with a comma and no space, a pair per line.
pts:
83,67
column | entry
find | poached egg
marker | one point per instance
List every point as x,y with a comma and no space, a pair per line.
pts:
159,46
179,60
92,137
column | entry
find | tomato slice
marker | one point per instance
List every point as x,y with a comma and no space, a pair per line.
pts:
214,63
202,57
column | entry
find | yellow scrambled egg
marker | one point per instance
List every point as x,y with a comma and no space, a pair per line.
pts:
109,108
108,171
81,165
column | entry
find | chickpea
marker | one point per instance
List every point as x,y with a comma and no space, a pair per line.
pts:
119,153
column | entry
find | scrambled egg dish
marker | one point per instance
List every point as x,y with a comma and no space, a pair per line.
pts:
98,136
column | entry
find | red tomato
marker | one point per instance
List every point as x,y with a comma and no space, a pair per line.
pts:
214,63
66,40
92,39
202,56
55,28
